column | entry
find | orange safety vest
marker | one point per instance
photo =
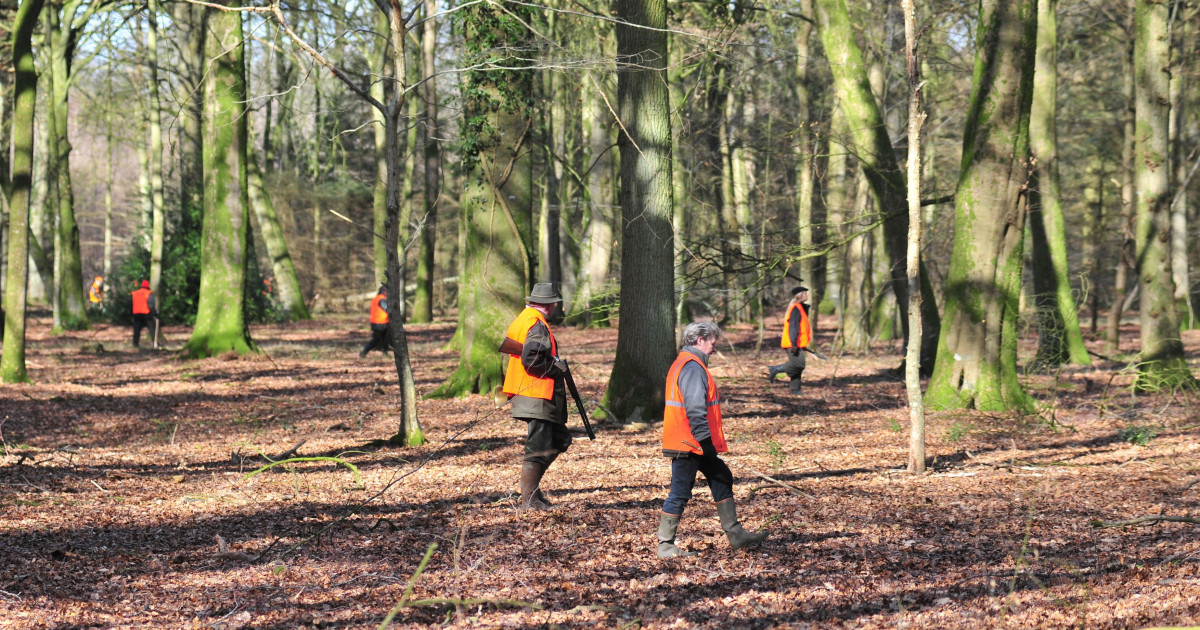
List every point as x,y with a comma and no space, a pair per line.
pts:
378,315
516,379
94,292
677,431
804,335
141,302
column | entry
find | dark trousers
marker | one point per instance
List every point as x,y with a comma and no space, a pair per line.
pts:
683,479
379,339
545,441
794,367
140,322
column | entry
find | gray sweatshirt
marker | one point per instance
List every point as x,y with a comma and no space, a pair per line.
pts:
693,386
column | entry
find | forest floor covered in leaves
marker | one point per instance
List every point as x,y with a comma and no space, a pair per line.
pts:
125,500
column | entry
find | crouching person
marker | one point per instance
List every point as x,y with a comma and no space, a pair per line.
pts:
692,438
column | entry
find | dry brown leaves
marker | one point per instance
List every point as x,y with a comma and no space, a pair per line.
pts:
122,472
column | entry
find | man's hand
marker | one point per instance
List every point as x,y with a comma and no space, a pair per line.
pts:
560,364
706,445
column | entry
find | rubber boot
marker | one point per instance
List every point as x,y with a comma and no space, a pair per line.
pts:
794,386
772,372
738,536
667,525
531,477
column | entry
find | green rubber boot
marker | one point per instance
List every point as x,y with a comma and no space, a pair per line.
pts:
738,536
667,525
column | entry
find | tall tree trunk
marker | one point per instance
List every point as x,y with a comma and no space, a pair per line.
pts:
409,433
878,160
856,269
1112,336
497,204
220,314
1162,364
61,33
291,299
154,120
550,217
646,339
379,61
598,235
745,167
12,361
1059,338
190,23
1183,54
977,354
432,168
805,159
912,372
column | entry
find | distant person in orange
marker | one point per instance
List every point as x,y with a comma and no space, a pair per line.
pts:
797,334
144,312
96,292
379,324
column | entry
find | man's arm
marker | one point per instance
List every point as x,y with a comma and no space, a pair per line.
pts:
794,326
150,303
536,355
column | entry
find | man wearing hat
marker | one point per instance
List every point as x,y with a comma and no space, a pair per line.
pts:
535,388
797,334
143,312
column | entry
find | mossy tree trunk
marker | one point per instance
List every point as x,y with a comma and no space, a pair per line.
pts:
977,354
1182,59
290,298
646,339
876,157
497,204
1059,338
17,189
1162,363
64,24
432,168
220,313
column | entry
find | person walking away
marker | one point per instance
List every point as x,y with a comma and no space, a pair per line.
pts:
144,312
797,334
534,384
379,324
693,437
96,291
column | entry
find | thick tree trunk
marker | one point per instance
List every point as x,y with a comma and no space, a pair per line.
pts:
61,33
646,340
498,209
379,62
12,361
220,314
977,354
1162,363
432,168
291,300
878,160
1059,338
1182,57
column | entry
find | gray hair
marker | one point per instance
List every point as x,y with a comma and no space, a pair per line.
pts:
696,331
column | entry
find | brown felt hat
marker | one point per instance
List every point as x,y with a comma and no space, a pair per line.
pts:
543,293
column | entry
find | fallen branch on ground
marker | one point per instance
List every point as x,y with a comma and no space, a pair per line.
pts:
1142,520
782,484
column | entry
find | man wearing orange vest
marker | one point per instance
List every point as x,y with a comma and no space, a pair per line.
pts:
535,388
144,312
379,324
96,292
692,438
797,334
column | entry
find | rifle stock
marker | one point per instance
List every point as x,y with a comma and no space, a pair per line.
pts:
511,346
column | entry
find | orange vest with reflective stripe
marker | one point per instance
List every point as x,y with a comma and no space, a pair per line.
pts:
94,292
804,335
677,431
378,315
516,379
141,302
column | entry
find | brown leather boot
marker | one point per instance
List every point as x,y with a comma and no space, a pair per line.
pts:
531,477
